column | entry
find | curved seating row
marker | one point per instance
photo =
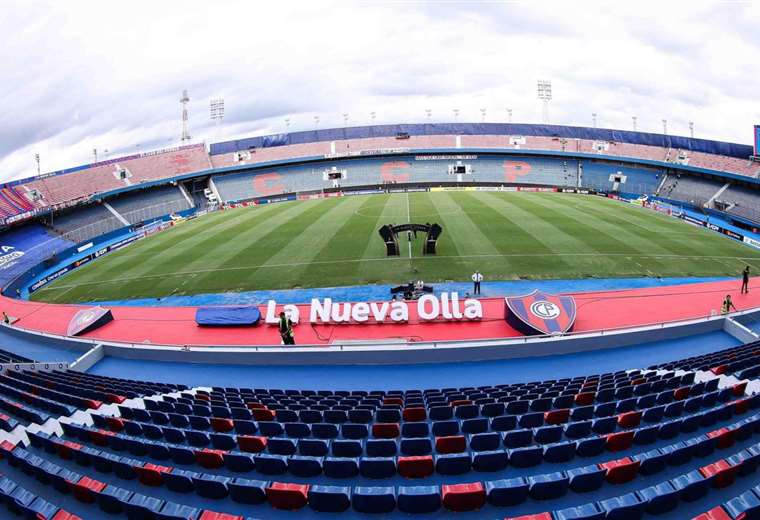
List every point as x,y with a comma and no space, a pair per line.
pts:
470,496
348,460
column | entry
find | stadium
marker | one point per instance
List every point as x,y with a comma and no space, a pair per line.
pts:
436,319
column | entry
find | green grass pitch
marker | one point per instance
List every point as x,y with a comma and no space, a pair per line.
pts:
334,242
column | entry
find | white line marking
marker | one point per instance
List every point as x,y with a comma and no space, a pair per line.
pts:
408,221
385,258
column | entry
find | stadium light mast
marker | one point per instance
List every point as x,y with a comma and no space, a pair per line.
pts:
665,126
184,100
593,118
95,154
372,116
216,111
483,115
37,159
545,95
456,115
633,119
429,113
287,124
509,115
691,129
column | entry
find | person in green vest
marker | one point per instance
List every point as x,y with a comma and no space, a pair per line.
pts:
727,305
286,330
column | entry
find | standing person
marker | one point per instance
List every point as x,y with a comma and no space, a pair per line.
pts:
286,330
476,279
745,280
727,305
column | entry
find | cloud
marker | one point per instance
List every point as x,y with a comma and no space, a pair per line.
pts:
77,76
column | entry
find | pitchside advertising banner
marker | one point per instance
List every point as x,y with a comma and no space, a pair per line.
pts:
81,261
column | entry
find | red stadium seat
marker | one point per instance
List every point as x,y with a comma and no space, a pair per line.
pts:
287,496
415,467
619,441
621,470
463,497
450,444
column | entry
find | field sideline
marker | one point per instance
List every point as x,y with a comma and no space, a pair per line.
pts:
332,242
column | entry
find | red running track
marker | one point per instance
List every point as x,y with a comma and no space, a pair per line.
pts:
596,311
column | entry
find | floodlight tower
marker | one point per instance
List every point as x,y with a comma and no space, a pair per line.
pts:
184,100
691,129
593,118
665,126
429,113
372,116
216,111
634,119
483,115
545,95
509,115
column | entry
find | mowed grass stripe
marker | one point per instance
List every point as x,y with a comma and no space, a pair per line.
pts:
423,208
376,266
253,249
649,234
509,236
584,239
600,236
695,245
160,271
352,237
536,224
505,235
306,246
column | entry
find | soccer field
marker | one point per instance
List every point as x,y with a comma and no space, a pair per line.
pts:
333,242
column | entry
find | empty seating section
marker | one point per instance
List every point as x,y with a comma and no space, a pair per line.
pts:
149,204
695,191
742,361
660,441
744,202
66,188
85,222
605,177
102,177
13,202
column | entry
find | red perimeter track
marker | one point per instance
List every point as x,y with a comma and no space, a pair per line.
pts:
596,311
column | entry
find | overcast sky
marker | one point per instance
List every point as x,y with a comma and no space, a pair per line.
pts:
108,75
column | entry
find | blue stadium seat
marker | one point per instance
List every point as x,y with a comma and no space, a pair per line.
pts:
377,467
302,466
113,499
335,467
490,460
590,511
381,447
453,464
373,499
211,486
329,499
419,499
586,478
625,507
659,498
246,491
347,448
270,464
507,492
525,457
548,486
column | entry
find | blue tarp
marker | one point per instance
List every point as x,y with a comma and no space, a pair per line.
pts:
245,315
599,134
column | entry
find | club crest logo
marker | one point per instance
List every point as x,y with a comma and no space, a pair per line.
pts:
540,313
89,319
